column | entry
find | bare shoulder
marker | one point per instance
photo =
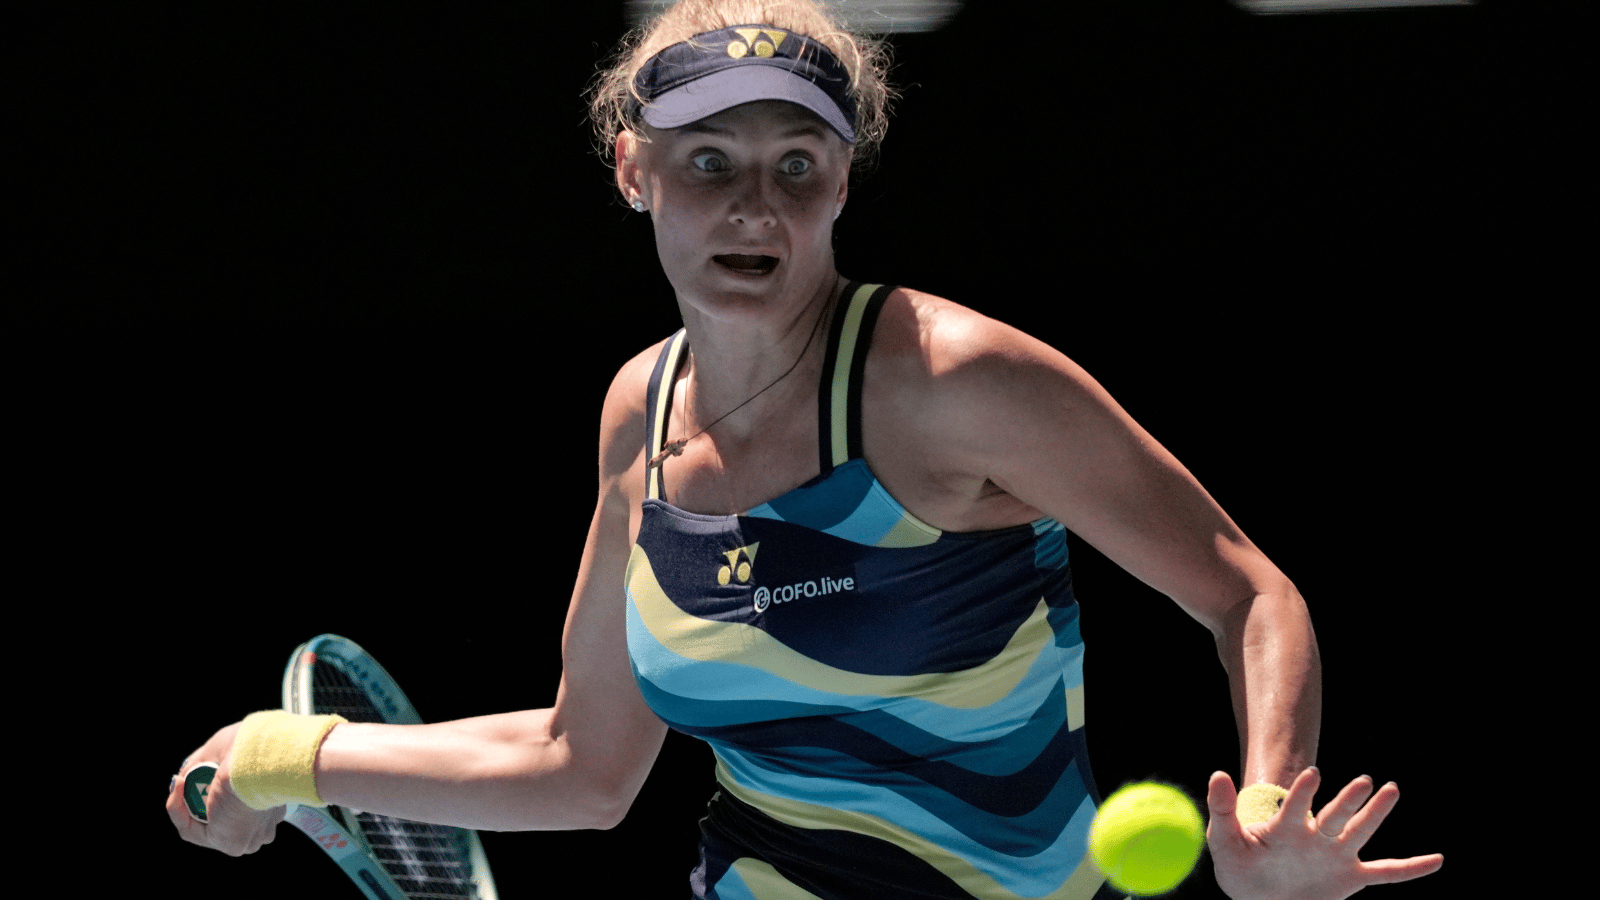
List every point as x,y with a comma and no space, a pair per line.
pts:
950,395
962,369
951,345
988,425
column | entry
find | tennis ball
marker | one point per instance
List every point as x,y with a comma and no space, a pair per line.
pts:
1146,838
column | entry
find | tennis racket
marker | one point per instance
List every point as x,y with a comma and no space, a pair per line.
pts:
388,858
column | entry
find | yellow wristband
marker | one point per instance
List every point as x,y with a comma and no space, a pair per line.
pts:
1259,802
274,758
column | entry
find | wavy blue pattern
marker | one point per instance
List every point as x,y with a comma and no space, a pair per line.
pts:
850,504
922,707
1019,856
693,693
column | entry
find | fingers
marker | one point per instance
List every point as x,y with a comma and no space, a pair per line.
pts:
1336,815
1353,824
1292,848
1221,796
1223,831
1394,871
190,830
1301,792
1364,823
230,827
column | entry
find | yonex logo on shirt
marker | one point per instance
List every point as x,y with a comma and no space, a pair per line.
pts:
738,567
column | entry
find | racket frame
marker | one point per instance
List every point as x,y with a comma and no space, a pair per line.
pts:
334,829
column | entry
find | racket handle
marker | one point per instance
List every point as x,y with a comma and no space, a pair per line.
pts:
196,784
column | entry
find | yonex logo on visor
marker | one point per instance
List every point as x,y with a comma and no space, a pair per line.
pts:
753,43
722,69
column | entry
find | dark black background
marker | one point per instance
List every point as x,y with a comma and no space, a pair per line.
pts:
330,300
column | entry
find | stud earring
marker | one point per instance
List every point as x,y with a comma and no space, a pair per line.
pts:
638,205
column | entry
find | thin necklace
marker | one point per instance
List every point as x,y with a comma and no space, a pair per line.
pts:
675,448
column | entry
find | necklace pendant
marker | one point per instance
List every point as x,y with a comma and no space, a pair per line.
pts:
672,448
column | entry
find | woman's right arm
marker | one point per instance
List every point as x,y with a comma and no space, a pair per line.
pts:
578,764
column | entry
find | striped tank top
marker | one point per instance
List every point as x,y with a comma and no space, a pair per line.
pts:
895,711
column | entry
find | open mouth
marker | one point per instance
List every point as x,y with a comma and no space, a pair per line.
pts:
748,264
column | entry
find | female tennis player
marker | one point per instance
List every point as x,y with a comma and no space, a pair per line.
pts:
830,542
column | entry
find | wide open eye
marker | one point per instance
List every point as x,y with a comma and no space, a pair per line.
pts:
709,162
795,165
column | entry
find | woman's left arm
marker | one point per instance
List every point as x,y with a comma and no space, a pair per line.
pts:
1275,678
1020,415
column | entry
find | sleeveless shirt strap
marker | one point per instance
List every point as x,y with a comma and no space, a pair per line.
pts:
844,366
657,402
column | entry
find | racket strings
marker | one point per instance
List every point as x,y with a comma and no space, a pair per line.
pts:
428,862
332,691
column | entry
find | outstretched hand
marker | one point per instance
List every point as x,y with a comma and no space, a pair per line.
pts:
1295,856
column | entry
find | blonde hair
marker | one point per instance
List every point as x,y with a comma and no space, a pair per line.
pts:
866,59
